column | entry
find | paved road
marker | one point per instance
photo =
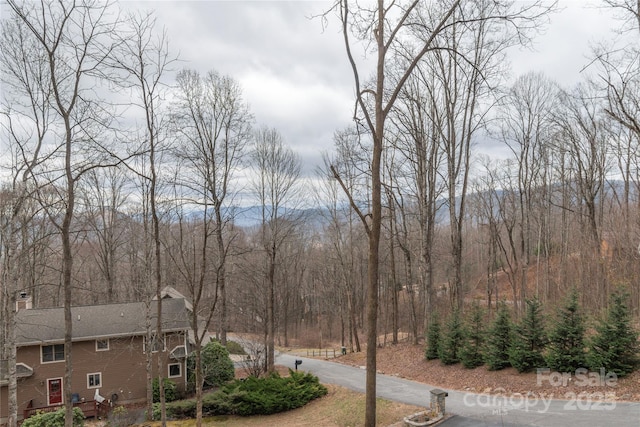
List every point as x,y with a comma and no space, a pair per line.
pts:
477,409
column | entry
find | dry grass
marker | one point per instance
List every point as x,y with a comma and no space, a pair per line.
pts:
339,408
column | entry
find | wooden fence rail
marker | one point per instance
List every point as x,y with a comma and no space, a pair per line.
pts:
320,352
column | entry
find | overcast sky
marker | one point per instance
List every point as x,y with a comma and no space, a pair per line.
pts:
296,77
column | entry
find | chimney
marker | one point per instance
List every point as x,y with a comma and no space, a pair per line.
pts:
24,301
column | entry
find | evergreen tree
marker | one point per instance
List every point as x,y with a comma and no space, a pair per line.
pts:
529,339
566,340
471,352
615,345
433,339
449,348
499,340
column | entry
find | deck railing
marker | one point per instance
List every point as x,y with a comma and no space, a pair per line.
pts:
90,409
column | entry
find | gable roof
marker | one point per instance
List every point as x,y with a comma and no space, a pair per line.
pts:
171,292
38,326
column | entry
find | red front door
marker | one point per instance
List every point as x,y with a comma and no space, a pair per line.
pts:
54,386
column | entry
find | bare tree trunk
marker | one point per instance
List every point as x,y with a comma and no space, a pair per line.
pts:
382,27
392,258
221,277
278,169
376,122
199,381
12,399
271,311
157,273
67,268
9,292
149,360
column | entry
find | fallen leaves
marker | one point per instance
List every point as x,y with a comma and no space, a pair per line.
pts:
406,360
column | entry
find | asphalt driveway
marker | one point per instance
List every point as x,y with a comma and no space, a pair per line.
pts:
472,409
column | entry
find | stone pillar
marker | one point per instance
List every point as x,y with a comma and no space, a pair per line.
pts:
437,401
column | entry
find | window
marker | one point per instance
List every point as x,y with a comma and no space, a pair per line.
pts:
175,370
52,353
94,380
102,345
156,345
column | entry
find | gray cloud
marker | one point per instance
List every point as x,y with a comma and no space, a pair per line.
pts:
295,74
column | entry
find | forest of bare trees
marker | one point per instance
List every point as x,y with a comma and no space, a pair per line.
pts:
403,221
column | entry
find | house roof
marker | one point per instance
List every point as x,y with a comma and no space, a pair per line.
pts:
22,371
37,326
171,292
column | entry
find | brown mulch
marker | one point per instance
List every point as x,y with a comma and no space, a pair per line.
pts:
407,361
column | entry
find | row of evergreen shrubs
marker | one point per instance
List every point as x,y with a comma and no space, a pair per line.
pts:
252,396
526,345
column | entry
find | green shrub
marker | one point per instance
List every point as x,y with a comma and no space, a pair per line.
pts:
566,348
252,396
235,348
54,419
496,354
182,408
529,339
273,394
170,390
433,339
156,411
615,345
219,403
217,366
471,354
451,340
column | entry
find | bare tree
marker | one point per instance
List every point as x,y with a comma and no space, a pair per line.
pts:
104,197
213,123
351,163
145,57
75,42
10,257
500,210
255,360
617,67
618,81
629,12
27,111
527,128
466,78
582,131
387,30
382,26
485,211
416,121
277,169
